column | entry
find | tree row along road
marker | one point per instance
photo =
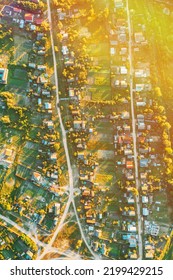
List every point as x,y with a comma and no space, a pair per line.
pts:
138,205
70,171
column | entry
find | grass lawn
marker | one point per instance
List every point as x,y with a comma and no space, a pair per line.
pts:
159,211
99,50
22,47
23,172
17,80
115,251
101,93
28,155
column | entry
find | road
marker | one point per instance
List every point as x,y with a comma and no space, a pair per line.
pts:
68,254
70,170
138,205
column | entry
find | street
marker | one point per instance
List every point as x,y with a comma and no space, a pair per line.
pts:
138,206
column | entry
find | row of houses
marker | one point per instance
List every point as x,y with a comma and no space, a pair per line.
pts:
21,17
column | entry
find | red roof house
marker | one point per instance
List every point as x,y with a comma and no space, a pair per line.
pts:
29,18
129,164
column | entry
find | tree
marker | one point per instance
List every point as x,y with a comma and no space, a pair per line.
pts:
158,92
168,150
5,119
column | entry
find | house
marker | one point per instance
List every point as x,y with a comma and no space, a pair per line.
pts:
71,92
131,238
128,152
139,87
133,255
131,228
98,233
141,125
3,76
29,18
65,50
57,207
41,67
140,117
21,24
32,65
131,213
38,21
79,124
47,105
50,124
46,92
130,200
140,104
122,37
53,156
144,199
123,70
125,115
139,37
41,52
132,241
112,51
145,212
95,246
17,10
91,221
129,176
144,162
40,36
7,10
154,230
129,164
36,177
149,254
7,157
118,4
39,101
33,27
126,127
42,79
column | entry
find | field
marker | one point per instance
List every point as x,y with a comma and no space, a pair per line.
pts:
23,172
160,211
28,155
17,80
22,47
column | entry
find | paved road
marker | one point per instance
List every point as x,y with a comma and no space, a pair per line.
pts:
138,206
70,171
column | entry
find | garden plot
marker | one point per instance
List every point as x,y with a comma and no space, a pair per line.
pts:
22,47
